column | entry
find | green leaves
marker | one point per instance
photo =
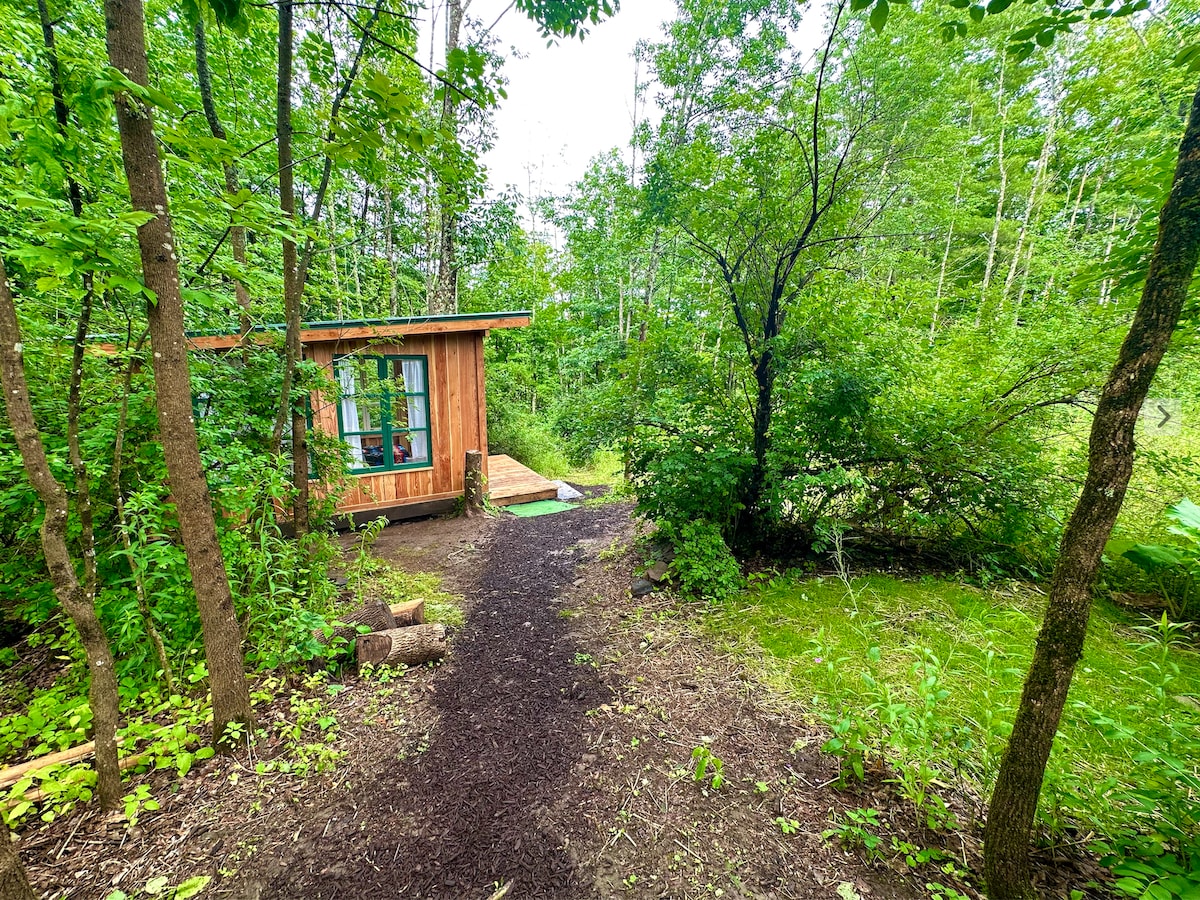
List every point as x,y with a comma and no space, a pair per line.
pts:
1189,57
1187,517
566,18
115,81
879,15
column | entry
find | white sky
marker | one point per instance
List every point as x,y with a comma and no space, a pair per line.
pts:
566,103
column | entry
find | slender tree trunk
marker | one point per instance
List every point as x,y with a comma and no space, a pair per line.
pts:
720,332
83,499
1002,111
1106,284
445,290
292,285
1031,206
74,596
432,231
393,286
237,233
937,297
1110,465
656,252
334,265
78,599
941,285
125,32
1078,199
354,255
13,883
621,310
1019,301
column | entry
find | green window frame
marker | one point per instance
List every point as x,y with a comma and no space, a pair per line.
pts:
383,411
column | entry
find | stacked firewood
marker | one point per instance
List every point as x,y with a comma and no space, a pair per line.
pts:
398,634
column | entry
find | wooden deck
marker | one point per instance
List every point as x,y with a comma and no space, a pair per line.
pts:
510,483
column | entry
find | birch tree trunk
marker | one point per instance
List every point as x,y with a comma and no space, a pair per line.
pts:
1031,207
125,33
995,239
1106,284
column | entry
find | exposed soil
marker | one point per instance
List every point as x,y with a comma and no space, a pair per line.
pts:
470,811
553,751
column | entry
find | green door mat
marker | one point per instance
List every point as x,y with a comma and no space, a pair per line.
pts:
539,508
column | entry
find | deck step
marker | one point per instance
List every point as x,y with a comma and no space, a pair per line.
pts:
509,482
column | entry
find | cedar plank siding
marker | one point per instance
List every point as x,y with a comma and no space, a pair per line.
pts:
457,416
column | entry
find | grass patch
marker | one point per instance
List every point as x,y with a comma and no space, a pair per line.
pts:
393,585
605,467
927,675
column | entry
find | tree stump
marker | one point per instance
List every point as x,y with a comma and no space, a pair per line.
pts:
411,612
411,646
376,615
474,483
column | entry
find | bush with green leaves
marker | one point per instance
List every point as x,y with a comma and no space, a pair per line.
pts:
693,477
1175,567
703,565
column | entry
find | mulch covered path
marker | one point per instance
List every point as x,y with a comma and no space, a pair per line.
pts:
468,814
552,753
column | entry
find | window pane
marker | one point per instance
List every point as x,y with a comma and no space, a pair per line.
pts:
384,421
359,375
361,414
409,447
366,450
408,376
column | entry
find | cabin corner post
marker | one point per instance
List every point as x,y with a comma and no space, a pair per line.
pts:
473,482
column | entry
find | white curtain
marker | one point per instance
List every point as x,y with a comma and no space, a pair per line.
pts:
350,412
418,413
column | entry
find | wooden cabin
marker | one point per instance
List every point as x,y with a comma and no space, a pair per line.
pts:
411,401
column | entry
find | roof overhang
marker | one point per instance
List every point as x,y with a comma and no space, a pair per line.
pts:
359,329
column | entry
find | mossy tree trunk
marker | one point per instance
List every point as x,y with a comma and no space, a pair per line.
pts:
77,598
1110,464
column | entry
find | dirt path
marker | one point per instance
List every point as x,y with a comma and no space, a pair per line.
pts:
561,759
512,709
554,750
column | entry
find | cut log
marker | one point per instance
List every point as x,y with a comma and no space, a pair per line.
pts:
376,615
410,613
411,646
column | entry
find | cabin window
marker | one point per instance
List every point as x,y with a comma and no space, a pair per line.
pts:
383,413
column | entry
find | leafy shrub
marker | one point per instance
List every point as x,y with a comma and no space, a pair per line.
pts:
1175,567
703,565
690,479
